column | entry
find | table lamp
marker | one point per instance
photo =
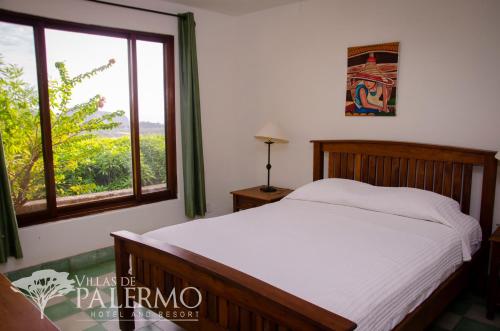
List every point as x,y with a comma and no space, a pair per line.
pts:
270,134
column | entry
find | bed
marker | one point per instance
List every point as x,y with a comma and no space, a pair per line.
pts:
260,270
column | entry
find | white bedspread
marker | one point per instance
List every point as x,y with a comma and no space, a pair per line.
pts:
370,267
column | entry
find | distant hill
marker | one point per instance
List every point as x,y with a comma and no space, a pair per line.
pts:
124,128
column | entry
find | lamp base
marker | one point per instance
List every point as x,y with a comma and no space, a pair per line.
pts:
268,189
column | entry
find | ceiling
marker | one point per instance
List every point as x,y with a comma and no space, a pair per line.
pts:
234,7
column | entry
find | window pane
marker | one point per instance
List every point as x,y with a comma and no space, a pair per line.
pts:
89,100
151,90
20,118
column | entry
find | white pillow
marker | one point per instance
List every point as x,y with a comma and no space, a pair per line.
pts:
403,201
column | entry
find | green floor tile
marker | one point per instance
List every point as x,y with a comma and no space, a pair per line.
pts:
470,325
59,265
105,254
103,314
61,310
459,307
82,261
74,294
435,328
107,290
26,272
145,314
82,277
150,327
97,327
96,270
91,288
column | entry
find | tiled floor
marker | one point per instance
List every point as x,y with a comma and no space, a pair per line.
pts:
64,311
467,313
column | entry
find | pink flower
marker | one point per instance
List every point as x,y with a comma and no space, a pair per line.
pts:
101,102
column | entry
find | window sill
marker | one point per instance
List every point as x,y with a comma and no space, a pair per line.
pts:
93,208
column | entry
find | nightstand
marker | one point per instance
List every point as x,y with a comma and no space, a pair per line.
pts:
493,289
254,197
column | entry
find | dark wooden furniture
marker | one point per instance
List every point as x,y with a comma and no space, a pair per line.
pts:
233,300
18,313
254,197
493,288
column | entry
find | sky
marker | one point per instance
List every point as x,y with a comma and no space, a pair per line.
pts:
84,52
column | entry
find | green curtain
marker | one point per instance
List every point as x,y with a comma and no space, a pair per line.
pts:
192,146
9,238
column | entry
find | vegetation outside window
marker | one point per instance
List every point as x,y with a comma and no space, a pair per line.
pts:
87,115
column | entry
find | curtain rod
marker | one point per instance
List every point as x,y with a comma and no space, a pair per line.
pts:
135,8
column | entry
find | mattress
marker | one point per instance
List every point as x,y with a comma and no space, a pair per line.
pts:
370,267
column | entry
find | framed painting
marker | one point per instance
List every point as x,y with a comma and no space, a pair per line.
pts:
372,73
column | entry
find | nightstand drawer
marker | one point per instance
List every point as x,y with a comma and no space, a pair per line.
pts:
246,203
253,197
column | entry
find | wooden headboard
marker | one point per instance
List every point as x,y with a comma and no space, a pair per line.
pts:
441,169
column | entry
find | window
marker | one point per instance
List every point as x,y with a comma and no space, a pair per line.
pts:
87,116
150,72
20,118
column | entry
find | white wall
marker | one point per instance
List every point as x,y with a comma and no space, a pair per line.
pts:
215,36
288,65
295,59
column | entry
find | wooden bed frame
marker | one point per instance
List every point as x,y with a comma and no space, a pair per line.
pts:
232,300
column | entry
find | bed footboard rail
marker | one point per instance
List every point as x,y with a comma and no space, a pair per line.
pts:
228,299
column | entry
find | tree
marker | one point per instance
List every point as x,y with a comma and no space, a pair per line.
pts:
20,122
95,165
44,285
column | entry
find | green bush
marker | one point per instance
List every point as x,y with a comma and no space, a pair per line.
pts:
104,164
84,162
153,160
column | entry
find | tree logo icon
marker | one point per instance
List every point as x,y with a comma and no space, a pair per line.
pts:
44,285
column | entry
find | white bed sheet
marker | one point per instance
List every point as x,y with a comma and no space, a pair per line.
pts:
370,267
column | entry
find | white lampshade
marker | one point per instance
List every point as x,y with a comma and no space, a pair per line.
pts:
498,156
271,132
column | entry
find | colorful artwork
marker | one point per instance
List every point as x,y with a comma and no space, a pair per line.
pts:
371,80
